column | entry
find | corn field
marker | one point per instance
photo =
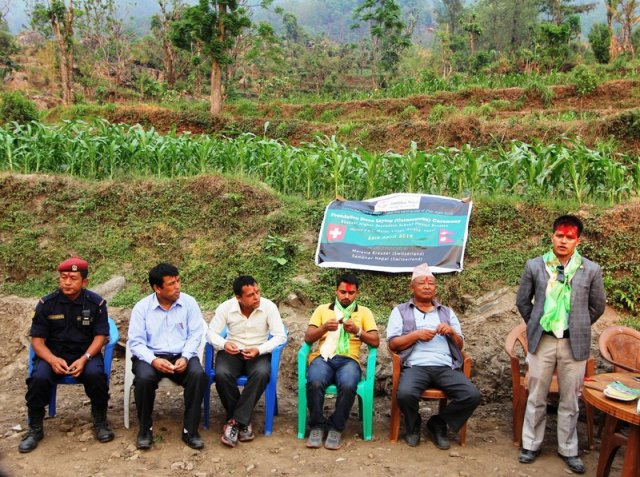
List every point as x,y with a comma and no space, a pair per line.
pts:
324,167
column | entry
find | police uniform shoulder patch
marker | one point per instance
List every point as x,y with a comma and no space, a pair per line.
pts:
50,296
94,298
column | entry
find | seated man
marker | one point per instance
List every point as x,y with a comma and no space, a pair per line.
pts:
165,332
341,327
428,338
249,319
69,328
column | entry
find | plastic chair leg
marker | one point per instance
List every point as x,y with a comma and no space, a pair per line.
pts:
52,400
302,412
206,404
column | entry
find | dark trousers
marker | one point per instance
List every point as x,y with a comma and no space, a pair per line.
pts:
463,396
342,371
193,380
42,378
239,406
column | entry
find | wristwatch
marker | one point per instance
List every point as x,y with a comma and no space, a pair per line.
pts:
88,356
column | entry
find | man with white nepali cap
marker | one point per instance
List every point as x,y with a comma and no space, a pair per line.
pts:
428,338
341,327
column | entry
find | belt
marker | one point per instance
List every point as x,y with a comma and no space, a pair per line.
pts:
565,335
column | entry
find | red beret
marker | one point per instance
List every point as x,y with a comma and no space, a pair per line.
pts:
75,264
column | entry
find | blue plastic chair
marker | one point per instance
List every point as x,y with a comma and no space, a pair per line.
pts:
270,393
108,357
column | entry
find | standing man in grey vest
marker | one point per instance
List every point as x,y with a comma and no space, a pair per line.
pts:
561,295
428,338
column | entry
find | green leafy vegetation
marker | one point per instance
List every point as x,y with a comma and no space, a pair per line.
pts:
215,228
324,167
16,107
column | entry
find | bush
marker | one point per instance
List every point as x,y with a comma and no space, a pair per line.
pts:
535,89
16,107
584,80
409,112
440,112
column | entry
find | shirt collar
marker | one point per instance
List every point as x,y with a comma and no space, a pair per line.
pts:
64,299
235,306
435,303
332,305
156,304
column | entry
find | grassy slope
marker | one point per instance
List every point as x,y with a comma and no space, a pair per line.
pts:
214,228
475,116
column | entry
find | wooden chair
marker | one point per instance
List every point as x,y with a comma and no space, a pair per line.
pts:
520,383
621,347
430,393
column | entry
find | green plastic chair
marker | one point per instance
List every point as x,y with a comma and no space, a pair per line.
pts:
365,392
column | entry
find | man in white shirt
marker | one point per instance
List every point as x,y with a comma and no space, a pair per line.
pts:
246,350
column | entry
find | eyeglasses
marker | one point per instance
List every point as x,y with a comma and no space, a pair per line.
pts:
560,276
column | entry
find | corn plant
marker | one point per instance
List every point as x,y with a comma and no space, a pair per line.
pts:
324,167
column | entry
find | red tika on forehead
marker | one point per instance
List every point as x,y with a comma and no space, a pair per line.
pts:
350,287
570,231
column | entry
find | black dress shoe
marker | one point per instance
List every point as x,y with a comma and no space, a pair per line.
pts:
193,440
528,456
437,432
412,439
144,440
574,463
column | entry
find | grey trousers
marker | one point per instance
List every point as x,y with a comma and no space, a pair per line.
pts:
552,353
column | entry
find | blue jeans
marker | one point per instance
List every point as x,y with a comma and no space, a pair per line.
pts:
342,371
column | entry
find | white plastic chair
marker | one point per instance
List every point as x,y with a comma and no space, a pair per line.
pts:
164,382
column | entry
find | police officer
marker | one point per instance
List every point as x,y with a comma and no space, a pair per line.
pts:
68,330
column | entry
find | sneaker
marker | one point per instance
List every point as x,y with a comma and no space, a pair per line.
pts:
246,433
230,435
315,438
334,440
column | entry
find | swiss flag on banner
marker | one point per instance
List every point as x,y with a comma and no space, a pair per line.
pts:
443,236
335,232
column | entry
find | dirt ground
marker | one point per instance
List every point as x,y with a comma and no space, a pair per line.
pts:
69,448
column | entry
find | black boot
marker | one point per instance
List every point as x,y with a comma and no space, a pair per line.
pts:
100,426
35,432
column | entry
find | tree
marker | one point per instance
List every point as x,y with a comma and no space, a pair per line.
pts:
388,36
506,24
215,24
60,14
107,43
612,8
599,40
8,48
161,28
472,27
451,14
628,18
558,10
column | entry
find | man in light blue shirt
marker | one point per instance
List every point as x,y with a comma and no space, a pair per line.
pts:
165,332
428,338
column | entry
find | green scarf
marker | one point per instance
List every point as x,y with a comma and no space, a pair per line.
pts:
343,341
557,303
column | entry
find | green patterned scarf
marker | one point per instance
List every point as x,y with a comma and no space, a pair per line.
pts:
557,303
343,340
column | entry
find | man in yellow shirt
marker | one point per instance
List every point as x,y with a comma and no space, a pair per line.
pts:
341,327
